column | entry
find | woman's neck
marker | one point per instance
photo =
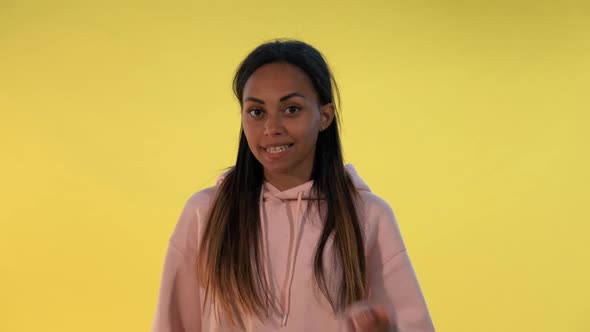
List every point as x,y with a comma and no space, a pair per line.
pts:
286,181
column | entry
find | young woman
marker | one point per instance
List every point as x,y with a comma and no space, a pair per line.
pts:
289,238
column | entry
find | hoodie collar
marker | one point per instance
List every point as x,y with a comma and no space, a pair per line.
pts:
302,191
292,194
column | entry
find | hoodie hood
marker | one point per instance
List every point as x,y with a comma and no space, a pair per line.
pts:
303,192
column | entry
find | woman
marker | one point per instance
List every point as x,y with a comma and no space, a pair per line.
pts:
289,238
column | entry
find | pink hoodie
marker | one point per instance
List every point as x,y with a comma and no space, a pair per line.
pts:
290,237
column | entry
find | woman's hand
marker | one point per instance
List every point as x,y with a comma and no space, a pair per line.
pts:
369,318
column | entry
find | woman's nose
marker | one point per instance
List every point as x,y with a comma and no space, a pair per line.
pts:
273,126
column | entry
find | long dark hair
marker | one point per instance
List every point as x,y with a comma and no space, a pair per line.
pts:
231,240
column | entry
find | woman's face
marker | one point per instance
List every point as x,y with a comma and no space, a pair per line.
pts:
281,117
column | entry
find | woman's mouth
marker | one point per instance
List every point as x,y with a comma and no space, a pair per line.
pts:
278,148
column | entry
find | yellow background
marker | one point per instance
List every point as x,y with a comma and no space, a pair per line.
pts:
469,118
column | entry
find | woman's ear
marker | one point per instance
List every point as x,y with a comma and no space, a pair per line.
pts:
326,115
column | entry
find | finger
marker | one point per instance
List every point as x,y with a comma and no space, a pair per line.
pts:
381,313
351,324
363,320
381,319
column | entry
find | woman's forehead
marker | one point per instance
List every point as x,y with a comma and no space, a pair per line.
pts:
277,78
277,75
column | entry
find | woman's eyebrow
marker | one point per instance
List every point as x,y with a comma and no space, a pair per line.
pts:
294,94
283,98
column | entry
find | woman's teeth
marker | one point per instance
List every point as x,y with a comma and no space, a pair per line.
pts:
277,149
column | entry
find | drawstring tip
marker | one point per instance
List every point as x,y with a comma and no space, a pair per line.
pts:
284,323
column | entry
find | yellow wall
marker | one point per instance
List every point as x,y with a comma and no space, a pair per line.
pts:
470,118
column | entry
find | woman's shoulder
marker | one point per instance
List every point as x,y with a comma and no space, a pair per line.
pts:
380,224
370,204
374,206
202,199
193,216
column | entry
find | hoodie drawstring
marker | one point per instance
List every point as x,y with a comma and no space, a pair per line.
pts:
292,256
285,299
264,240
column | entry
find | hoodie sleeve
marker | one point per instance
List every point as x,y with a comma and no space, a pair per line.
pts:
391,277
178,308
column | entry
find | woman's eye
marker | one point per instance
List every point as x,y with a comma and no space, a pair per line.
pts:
255,112
292,109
